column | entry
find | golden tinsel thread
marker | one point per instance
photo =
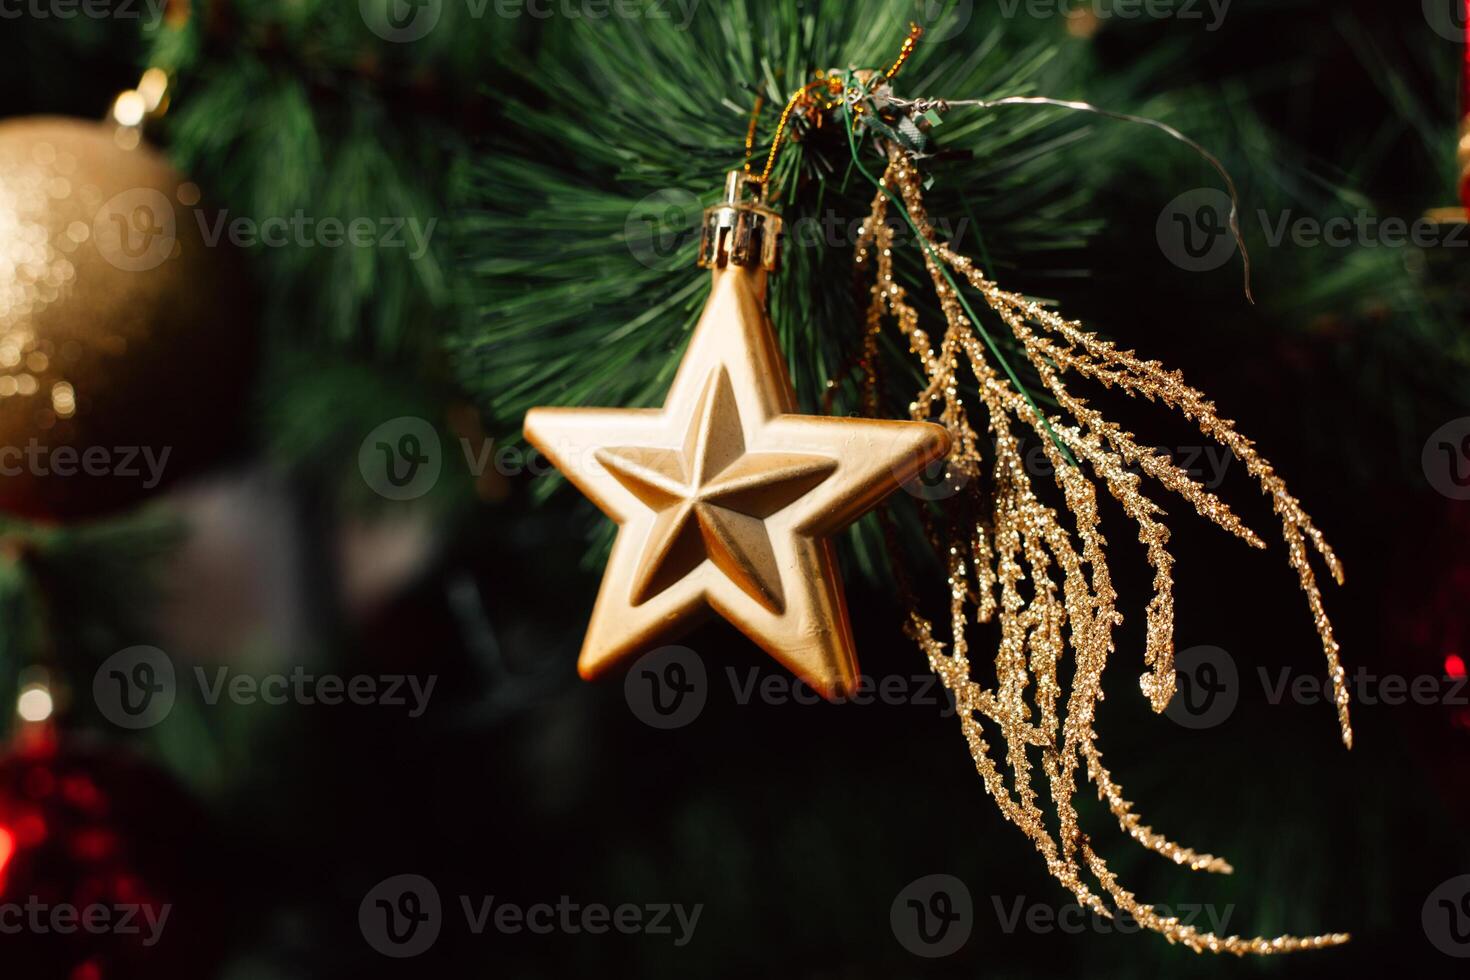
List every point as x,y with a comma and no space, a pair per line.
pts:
1050,588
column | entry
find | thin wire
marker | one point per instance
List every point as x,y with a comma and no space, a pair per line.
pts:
944,270
922,105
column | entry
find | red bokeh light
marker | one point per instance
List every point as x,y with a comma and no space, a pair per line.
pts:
28,830
1454,665
7,847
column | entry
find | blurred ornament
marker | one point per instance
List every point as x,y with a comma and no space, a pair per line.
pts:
235,589
1427,620
125,339
99,869
1083,22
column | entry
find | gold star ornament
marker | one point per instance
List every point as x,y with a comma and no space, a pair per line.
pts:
725,498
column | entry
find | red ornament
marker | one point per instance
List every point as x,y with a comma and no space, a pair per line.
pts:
99,870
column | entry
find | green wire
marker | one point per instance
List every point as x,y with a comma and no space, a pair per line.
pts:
944,270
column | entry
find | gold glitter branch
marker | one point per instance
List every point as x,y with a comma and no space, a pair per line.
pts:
1012,560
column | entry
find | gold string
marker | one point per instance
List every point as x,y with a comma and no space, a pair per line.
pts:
832,84
905,51
791,103
755,118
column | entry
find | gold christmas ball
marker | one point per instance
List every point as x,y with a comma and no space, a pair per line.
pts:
125,339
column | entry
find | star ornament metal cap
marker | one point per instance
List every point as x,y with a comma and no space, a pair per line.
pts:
726,498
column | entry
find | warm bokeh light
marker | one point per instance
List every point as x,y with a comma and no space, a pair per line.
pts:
129,108
1454,665
35,704
7,847
1083,23
152,88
